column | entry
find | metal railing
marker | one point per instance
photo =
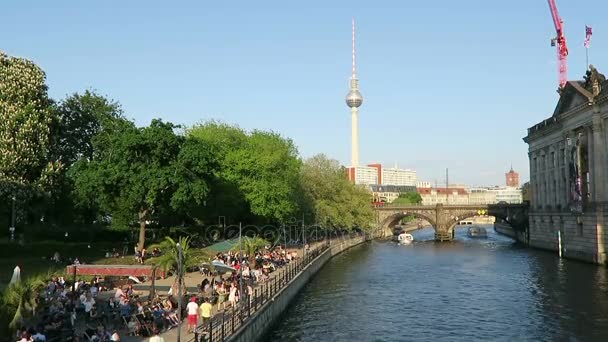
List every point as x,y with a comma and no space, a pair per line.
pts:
223,324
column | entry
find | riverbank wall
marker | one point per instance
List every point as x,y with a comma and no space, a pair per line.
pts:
260,323
504,228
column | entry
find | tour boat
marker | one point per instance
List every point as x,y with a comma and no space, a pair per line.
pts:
405,239
477,232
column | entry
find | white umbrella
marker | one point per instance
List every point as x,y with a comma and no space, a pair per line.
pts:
221,267
16,275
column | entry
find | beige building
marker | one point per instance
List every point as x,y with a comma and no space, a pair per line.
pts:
452,196
399,177
568,167
481,196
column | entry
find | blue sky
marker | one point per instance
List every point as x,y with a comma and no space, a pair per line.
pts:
447,84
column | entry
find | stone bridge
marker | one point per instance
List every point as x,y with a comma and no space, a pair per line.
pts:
444,218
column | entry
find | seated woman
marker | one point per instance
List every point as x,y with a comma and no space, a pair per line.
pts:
170,313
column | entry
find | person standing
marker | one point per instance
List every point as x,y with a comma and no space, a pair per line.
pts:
206,311
192,309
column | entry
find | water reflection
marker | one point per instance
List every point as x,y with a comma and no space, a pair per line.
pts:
470,289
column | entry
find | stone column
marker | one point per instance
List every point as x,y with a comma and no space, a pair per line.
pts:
567,137
599,159
590,164
599,181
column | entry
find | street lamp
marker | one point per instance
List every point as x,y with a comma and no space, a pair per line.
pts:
12,227
179,290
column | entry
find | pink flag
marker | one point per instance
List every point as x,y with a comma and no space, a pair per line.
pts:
588,33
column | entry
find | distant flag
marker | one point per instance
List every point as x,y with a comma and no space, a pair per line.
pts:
588,33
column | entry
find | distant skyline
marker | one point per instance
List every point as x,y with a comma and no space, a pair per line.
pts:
447,84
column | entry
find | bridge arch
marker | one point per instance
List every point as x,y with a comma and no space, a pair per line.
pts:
459,216
389,223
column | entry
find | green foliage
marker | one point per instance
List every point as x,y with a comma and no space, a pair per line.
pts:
81,118
251,245
191,257
331,198
26,116
26,172
408,198
257,173
144,171
20,300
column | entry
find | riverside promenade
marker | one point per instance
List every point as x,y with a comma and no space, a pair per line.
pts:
229,324
193,280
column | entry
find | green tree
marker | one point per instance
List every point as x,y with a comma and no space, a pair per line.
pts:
225,196
79,119
331,198
267,171
144,171
410,197
258,173
25,109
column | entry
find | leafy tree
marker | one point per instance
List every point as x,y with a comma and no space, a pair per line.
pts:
25,109
225,196
144,171
258,172
267,171
80,118
410,197
333,200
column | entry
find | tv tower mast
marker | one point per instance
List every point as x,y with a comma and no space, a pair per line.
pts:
354,100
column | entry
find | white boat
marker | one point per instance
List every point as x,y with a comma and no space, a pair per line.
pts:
405,238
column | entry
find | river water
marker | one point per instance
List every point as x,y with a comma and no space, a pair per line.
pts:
467,290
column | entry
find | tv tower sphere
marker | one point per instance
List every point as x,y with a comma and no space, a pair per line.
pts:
354,98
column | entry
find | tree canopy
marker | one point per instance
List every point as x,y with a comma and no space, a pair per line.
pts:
332,199
145,171
410,197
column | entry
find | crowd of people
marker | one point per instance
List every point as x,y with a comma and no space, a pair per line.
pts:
96,310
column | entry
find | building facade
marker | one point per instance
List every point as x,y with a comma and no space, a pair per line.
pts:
482,196
364,175
423,184
512,178
449,196
395,176
568,167
508,194
389,193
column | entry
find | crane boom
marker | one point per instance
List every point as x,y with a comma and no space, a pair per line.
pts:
560,42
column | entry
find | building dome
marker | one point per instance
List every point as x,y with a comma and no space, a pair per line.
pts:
354,98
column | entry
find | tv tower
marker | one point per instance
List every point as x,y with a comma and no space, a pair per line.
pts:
354,100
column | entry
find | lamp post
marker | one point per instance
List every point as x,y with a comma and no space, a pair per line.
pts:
12,227
240,261
179,290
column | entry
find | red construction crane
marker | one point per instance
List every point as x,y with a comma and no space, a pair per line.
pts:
560,41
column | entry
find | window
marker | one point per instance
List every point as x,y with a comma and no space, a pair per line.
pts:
553,164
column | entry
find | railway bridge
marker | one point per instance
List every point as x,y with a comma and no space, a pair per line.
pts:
444,218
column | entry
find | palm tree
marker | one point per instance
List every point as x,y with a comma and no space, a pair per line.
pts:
20,299
168,260
251,245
